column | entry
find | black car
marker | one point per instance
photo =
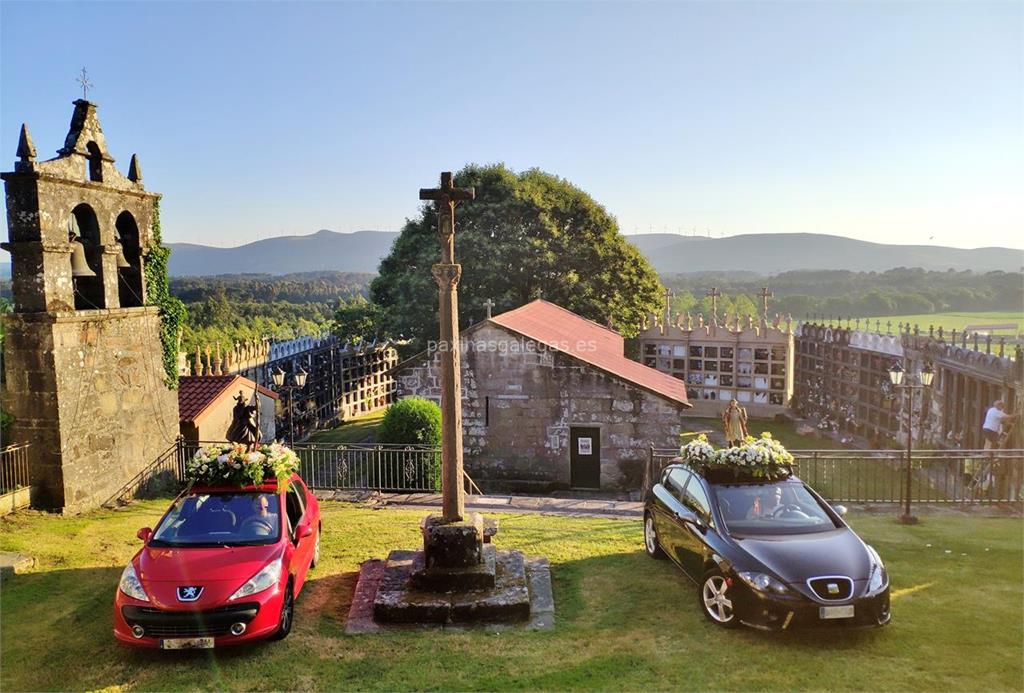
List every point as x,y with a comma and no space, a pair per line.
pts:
770,554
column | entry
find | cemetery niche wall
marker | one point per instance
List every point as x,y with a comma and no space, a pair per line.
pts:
843,382
83,363
747,359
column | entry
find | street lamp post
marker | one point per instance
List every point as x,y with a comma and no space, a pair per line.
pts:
298,382
924,377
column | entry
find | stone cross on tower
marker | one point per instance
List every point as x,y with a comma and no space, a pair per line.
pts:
83,80
446,274
713,295
488,304
765,295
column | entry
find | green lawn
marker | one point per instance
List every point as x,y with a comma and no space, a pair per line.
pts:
362,429
624,621
957,320
783,432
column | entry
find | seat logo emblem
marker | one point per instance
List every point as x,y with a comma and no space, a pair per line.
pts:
189,594
833,588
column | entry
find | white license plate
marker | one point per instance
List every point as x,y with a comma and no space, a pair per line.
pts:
836,611
187,644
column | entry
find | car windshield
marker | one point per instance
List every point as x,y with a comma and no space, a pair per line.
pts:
781,508
221,519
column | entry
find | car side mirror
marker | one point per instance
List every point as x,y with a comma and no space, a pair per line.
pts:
144,534
305,530
840,510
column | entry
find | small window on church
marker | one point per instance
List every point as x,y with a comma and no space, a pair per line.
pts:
95,162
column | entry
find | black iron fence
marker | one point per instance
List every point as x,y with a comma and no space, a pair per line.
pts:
166,474
879,476
14,468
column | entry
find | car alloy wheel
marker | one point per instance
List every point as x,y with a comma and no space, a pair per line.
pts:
284,624
651,538
714,599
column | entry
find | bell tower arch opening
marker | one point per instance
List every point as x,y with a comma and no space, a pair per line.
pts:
89,293
95,165
129,262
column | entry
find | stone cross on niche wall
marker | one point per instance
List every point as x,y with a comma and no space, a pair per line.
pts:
765,295
713,295
668,305
446,274
488,304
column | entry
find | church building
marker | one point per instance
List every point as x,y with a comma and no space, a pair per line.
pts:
83,361
550,401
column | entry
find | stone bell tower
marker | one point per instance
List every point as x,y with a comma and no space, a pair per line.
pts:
83,358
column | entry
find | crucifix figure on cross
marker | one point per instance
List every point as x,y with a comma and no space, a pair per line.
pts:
713,295
446,274
765,295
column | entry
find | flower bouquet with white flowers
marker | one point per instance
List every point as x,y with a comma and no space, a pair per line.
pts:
233,463
760,457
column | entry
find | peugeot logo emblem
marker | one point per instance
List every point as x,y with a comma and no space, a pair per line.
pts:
833,588
189,594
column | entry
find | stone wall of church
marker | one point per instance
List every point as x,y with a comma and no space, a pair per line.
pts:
519,402
87,391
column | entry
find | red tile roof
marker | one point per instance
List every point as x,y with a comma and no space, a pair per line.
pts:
562,330
197,393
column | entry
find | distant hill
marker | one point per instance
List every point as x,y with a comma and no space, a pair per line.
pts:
324,250
669,253
770,253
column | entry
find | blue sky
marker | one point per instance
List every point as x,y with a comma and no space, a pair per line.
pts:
891,122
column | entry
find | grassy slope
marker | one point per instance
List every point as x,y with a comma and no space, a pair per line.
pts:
362,429
957,320
625,622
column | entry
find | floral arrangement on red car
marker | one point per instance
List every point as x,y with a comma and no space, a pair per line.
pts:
760,457
234,463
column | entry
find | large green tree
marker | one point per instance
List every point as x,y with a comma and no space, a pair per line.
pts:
525,236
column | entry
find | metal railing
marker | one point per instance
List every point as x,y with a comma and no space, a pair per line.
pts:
878,476
15,472
361,467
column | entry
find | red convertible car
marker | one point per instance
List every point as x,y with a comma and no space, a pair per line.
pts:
223,566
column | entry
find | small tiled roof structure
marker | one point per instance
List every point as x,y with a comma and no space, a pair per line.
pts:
562,330
198,394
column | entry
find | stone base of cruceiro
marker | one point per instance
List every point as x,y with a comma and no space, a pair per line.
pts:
459,579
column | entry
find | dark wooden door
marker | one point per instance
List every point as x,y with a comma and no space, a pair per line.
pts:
585,456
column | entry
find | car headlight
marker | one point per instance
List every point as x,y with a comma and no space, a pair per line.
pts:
763,583
263,580
878,578
130,584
